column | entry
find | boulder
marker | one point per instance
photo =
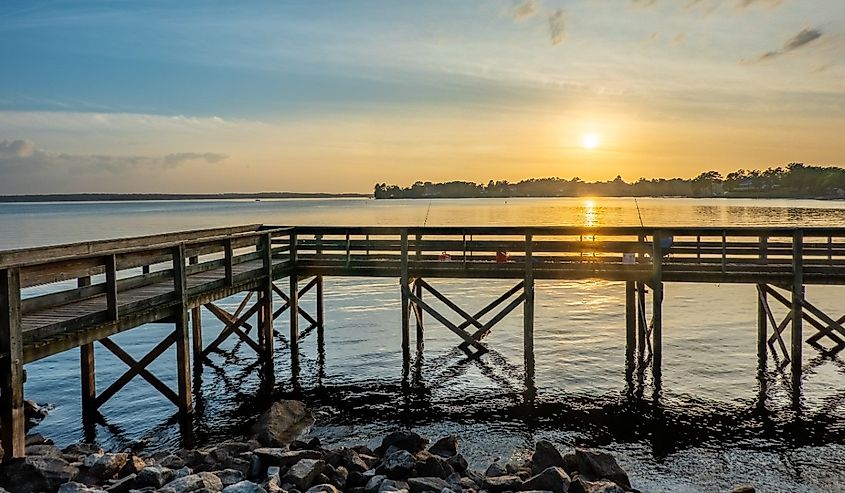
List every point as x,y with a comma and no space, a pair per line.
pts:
581,485
229,476
401,440
154,476
374,483
303,473
445,447
393,485
496,469
499,484
594,465
283,423
244,487
397,465
743,488
552,479
77,451
458,463
424,484
433,466
74,487
284,458
323,488
194,482
134,465
123,485
35,474
44,449
106,466
545,456
37,439
352,461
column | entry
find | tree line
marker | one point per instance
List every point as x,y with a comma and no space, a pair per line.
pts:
796,180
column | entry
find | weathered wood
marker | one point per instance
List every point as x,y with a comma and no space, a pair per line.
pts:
418,315
111,287
228,255
443,320
796,359
321,318
630,319
266,327
642,324
181,333
528,310
406,315
293,301
657,304
196,323
12,432
230,328
87,372
138,368
762,322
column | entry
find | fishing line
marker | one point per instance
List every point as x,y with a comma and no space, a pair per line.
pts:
427,211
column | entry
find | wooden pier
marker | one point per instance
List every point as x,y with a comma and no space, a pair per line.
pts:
57,298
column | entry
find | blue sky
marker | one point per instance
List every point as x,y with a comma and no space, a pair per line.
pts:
335,96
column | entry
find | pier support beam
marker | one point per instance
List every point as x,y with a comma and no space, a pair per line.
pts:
418,316
657,305
797,309
196,324
293,306
181,338
87,373
265,326
528,312
406,312
321,318
642,324
630,320
762,315
12,432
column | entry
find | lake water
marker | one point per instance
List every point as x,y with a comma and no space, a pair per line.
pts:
712,422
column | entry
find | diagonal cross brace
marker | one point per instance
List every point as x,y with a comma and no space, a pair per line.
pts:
228,319
466,336
137,368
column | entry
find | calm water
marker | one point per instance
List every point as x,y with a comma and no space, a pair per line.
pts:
711,424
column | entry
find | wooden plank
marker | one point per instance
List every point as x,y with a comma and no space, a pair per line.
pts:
266,328
111,287
12,433
630,319
293,301
445,321
180,332
321,318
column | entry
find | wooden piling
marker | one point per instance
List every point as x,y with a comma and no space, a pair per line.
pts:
87,370
183,363
418,288
642,324
657,304
528,310
630,318
403,282
196,324
294,306
796,359
321,318
12,432
265,328
762,317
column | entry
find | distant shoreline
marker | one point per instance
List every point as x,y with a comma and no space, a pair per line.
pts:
140,197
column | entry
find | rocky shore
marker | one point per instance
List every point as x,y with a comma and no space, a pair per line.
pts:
275,459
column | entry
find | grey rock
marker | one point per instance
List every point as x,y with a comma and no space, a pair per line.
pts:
374,483
468,484
229,476
397,465
154,476
323,488
36,473
581,485
133,465
274,456
424,484
353,462
172,462
393,485
458,463
743,488
244,487
595,465
552,479
44,449
433,466
195,482
80,450
283,423
36,439
445,447
496,469
182,472
123,485
545,456
402,440
74,487
303,473
498,484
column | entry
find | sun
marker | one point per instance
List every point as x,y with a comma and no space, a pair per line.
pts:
589,141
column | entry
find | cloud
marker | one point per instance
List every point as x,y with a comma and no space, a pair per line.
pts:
557,32
803,38
765,3
16,149
178,158
523,9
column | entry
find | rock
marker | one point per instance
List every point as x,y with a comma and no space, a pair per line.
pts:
552,479
154,476
107,466
353,462
37,439
33,413
304,472
195,482
34,473
172,462
337,476
468,484
123,485
73,487
445,447
244,487
374,483
44,449
433,466
79,450
284,458
581,485
393,485
743,488
229,476
283,423
595,465
496,469
323,488
458,463
402,440
424,484
397,465
498,484
134,465
545,456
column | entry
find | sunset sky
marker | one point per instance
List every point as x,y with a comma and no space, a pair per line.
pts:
335,96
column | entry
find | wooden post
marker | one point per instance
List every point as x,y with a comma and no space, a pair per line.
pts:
196,324
111,287
762,320
183,363
630,319
266,327
294,306
642,324
87,371
12,432
228,256
796,359
321,320
419,315
657,304
528,311
403,282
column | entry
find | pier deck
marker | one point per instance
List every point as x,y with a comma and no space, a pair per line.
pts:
53,299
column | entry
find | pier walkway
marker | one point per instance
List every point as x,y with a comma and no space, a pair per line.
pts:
57,298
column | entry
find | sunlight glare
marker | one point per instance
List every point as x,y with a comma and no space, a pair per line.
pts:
590,141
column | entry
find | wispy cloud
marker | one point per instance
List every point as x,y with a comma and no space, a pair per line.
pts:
523,9
803,38
176,159
557,31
